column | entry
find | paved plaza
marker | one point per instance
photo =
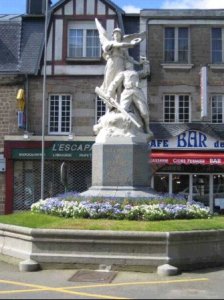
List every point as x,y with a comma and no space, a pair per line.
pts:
56,284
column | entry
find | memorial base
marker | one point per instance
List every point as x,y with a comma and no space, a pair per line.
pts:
121,168
121,192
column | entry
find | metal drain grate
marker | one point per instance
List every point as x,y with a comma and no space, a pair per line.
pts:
93,276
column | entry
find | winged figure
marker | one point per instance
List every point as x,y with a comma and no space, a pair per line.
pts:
115,51
128,38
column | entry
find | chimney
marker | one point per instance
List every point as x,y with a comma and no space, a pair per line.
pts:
36,7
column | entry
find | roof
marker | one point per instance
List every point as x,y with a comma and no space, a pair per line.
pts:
182,13
31,45
169,130
7,17
21,41
10,33
117,8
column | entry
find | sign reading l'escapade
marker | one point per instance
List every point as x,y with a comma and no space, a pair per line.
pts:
191,139
58,150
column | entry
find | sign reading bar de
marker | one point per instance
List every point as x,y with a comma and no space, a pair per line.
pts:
191,139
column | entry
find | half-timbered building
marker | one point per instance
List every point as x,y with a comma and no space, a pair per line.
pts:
74,67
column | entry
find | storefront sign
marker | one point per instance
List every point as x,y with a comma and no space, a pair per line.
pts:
204,91
191,139
58,150
186,161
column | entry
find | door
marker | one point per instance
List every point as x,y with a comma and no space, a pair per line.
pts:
218,192
201,188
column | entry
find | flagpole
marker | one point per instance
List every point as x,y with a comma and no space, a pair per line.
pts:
43,102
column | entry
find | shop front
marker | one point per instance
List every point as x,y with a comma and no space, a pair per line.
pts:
190,164
67,168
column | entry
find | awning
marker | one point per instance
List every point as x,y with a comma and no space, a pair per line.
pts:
186,158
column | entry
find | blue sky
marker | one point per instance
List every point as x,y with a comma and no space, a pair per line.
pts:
18,6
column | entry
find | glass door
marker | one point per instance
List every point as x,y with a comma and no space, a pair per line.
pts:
161,183
180,185
218,193
200,188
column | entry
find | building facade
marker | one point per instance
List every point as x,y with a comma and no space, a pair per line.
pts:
74,67
185,48
185,92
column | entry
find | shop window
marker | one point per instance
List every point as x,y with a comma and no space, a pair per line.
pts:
100,108
218,190
60,114
24,185
161,183
27,180
176,45
29,188
217,45
180,185
201,188
83,40
177,108
218,109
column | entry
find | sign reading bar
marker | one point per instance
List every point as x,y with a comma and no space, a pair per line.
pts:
191,139
58,150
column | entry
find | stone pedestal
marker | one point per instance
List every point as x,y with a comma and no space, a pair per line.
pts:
120,167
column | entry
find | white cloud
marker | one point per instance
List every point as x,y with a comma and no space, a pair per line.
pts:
188,4
131,9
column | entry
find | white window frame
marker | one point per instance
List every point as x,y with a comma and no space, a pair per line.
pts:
176,45
99,112
222,35
176,107
218,95
88,25
59,132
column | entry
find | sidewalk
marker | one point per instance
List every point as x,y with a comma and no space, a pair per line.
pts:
56,284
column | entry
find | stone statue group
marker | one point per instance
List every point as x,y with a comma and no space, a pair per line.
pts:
127,108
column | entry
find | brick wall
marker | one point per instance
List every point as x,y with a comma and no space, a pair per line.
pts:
9,86
82,90
8,110
176,81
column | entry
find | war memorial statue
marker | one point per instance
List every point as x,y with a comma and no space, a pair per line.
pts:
120,163
128,113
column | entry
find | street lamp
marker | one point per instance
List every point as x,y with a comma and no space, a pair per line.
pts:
43,100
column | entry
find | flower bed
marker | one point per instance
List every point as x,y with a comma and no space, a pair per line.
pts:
71,205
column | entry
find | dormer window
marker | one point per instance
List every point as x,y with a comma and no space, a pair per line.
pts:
83,41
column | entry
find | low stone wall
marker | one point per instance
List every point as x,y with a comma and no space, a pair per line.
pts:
139,251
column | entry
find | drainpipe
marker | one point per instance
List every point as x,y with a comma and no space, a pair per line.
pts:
27,97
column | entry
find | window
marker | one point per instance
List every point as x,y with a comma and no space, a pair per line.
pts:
60,114
218,109
161,183
176,45
83,40
217,45
100,108
176,108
